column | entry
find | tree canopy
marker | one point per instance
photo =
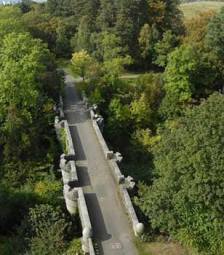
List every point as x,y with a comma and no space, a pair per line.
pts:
186,198
158,82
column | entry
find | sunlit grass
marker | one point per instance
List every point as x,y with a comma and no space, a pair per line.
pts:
161,248
194,8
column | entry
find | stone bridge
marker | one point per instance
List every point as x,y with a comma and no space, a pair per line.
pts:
93,181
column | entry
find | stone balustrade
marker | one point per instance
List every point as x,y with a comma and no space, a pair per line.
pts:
112,158
73,195
86,224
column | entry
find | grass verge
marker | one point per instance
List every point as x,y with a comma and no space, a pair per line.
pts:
192,9
161,248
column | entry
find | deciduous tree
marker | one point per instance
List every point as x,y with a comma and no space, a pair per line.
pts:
81,62
186,198
164,47
215,34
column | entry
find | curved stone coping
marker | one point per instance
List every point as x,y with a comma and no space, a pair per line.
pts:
69,138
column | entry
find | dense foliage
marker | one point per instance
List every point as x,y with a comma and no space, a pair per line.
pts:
186,199
168,126
33,218
168,123
75,25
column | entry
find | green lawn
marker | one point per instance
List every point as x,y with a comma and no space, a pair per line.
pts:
130,75
192,9
161,248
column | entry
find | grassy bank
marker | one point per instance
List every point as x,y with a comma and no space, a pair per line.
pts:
161,248
192,9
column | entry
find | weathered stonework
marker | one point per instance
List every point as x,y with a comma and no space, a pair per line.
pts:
113,158
74,197
85,221
71,198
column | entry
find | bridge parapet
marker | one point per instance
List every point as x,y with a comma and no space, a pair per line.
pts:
112,159
73,195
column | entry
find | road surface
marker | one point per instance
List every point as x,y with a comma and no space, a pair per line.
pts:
111,228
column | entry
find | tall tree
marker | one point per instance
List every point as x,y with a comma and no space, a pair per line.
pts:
82,39
215,35
81,63
22,66
186,198
10,21
165,14
107,15
131,16
164,47
196,28
179,79
109,46
75,8
147,38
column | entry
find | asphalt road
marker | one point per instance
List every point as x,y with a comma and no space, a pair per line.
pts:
111,228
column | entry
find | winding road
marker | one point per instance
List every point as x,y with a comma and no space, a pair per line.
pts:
111,229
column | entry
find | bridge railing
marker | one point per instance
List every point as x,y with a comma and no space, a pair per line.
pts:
73,195
137,226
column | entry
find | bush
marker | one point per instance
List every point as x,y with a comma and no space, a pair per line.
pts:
46,228
14,206
49,191
75,247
